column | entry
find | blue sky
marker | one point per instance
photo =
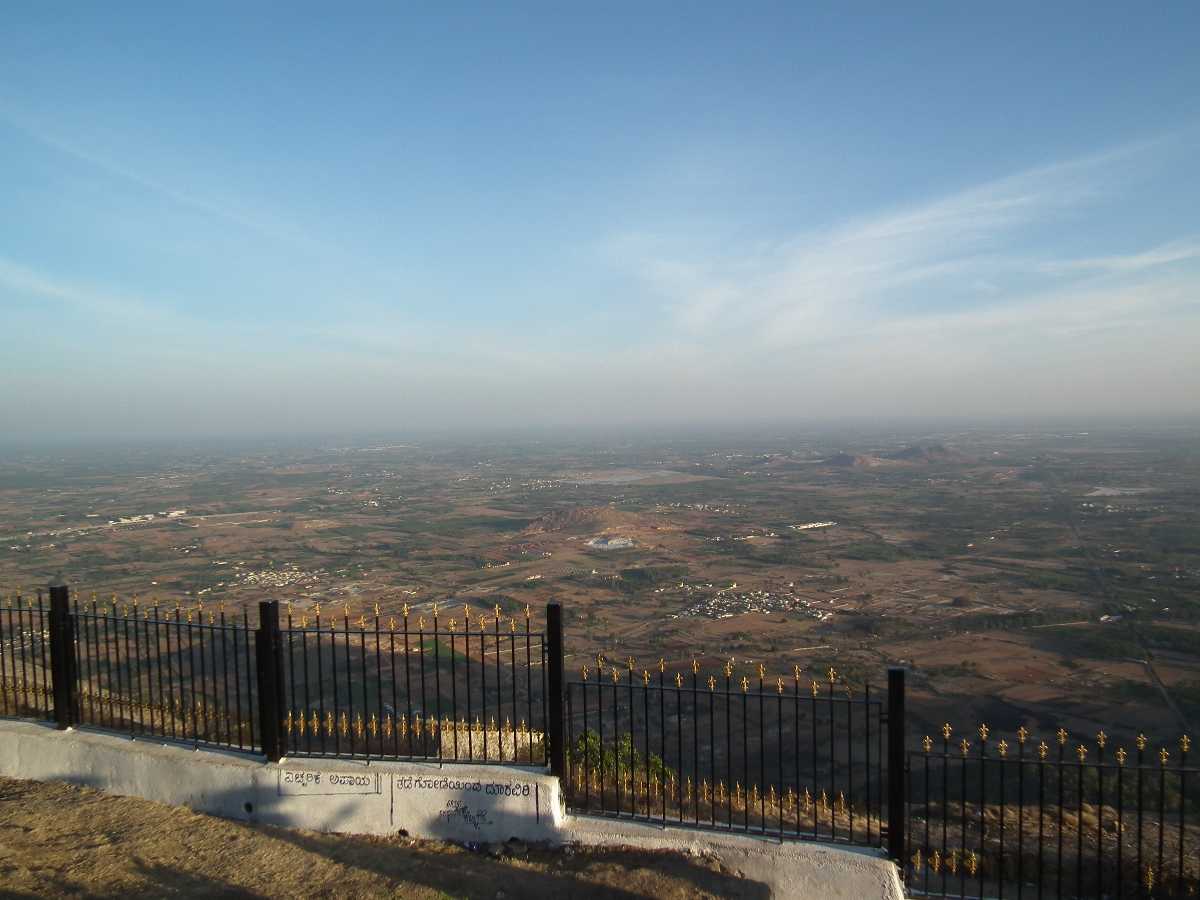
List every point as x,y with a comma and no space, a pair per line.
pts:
260,218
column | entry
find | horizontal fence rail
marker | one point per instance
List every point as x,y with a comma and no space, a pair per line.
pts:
451,689
182,674
793,758
26,685
991,818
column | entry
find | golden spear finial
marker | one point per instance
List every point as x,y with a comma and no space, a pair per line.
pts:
1121,756
1062,735
1185,743
1043,750
1022,734
712,683
1101,739
1081,750
964,745
947,731
927,743
1141,741
983,732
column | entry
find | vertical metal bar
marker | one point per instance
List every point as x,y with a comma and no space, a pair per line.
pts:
1000,861
850,761
350,680
198,630
1121,822
171,705
61,650
379,682
587,748
395,699
424,708
483,682
728,745
467,637
366,699
745,759
1041,843
867,751
600,728
695,744
500,692
554,630
946,732
1184,745
1079,827
1099,870
833,762
306,712
796,738
662,733
815,790
982,798
269,649
1020,812
407,686
529,685
925,807
616,744
762,753
1162,812
42,632
322,728
1141,746
1059,767
779,751
247,642
454,694
512,675
896,742
646,726
962,804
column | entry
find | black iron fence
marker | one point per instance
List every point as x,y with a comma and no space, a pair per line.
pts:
791,757
989,817
181,674
462,687
26,688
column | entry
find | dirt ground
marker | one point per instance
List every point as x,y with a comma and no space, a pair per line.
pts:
58,840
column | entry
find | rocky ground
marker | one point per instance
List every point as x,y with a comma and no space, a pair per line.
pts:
58,840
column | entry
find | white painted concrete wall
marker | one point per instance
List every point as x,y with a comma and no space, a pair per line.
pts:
467,803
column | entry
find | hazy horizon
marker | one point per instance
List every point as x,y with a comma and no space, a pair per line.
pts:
246,223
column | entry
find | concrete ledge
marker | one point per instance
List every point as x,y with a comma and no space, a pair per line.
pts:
459,802
466,803
789,868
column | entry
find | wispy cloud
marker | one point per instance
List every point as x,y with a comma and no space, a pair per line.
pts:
849,277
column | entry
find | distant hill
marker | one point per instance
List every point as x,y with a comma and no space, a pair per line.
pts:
917,454
582,520
926,453
859,461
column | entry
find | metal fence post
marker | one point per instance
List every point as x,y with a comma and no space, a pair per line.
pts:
62,656
896,774
554,646
268,647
